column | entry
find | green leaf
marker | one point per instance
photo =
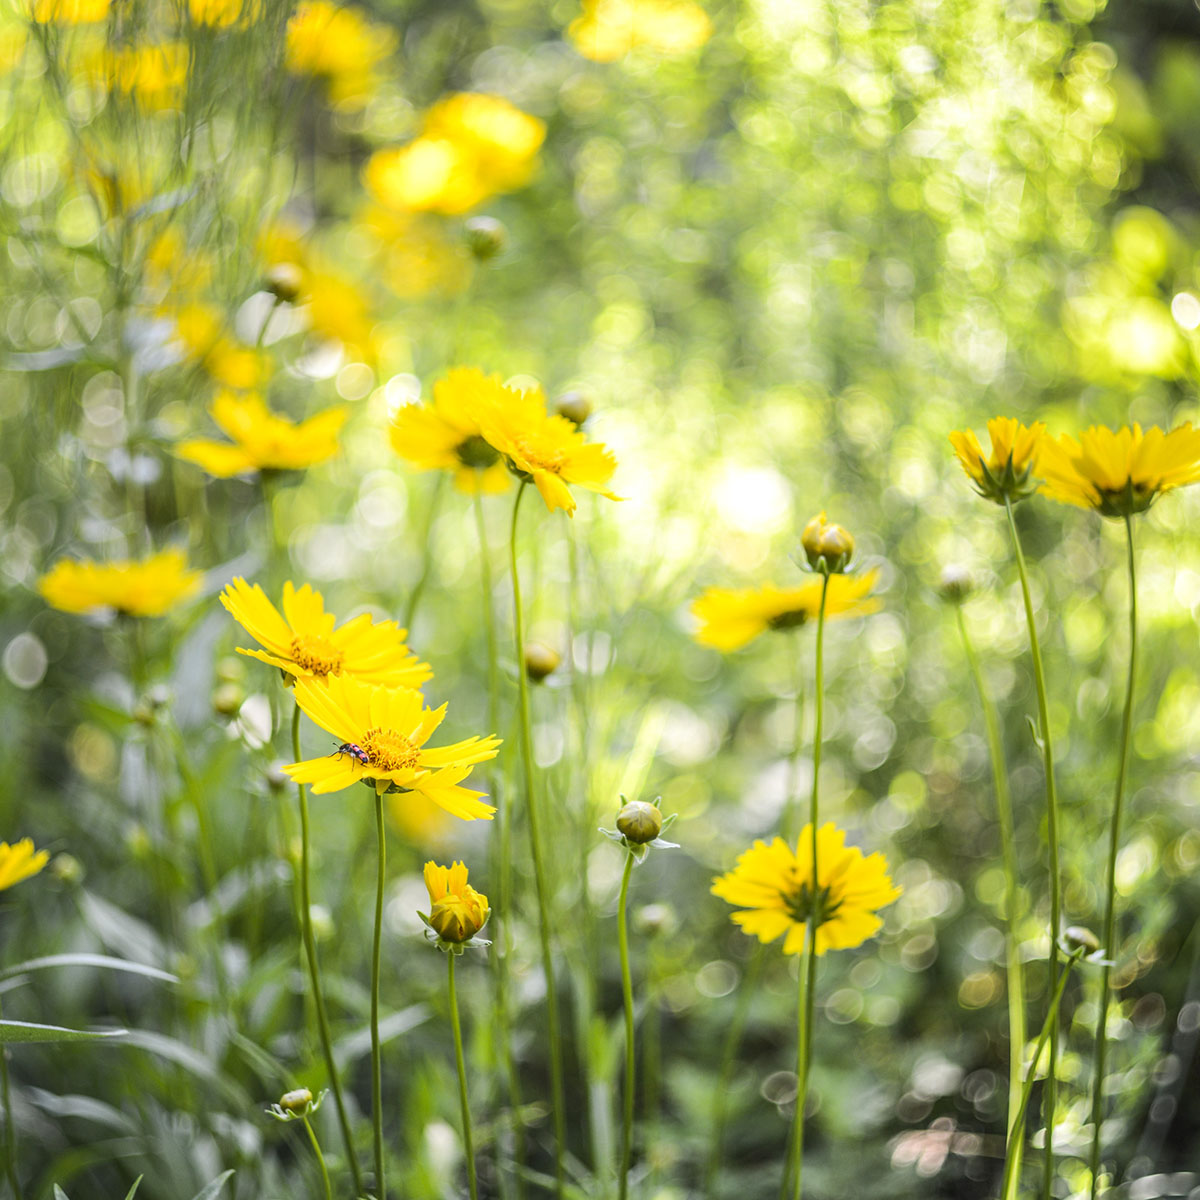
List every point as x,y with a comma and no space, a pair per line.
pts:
59,1194
211,1190
89,960
23,1031
130,1194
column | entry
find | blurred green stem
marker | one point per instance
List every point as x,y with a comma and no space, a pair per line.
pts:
553,1040
376,947
627,997
1050,1093
312,1137
10,1128
314,970
431,513
468,1141
1016,986
1110,894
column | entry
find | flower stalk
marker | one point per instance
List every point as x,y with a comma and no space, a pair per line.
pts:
468,1142
376,945
627,999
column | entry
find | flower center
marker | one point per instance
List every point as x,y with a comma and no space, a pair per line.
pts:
788,620
801,904
542,459
390,751
476,452
317,655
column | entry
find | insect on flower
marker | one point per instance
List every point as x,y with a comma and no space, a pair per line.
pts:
354,751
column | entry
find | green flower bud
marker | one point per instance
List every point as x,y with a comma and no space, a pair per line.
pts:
297,1101
227,699
956,583
284,281
575,406
486,237
639,822
1077,937
540,660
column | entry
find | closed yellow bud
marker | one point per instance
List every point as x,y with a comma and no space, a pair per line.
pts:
828,547
540,660
458,912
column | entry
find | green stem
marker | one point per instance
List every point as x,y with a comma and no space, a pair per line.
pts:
468,1143
627,996
376,946
10,1128
1016,985
312,1137
426,551
314,969
1114,842
554,1046
1050,1094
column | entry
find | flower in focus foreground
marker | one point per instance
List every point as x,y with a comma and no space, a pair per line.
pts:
1122,472
304,643
19,861
610,29
732,617
1006,473
389,727
146,588
457,911
774,883
446,435
263,441
338,45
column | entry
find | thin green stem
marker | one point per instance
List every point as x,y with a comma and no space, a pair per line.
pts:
1050,1094
314,970
627,997
468,1143
10,1128
376,946
554,1046
1114,843
312,1137
1012,895
431,512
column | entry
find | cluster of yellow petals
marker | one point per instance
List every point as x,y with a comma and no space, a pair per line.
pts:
340,45
774,883
223,14
457,911
71,12
136,588
154,75
201,329
19,861
610,29
1007,472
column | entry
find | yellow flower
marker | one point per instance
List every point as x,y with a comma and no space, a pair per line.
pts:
18,862
154,75
338,311
1006,472
71,12
732,617
610,29
340,46
200,327
388,728
221,14
1119,472
775,884
263,441
303,642
446,435
547,449
457,911
147,588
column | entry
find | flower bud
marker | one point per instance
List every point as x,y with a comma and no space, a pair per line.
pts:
486,237
277,780
540,660
827,547
652,919
458,918
227,699
297,1101
575,406
67,868
284,281
1077,937
230,670
956,583
639,822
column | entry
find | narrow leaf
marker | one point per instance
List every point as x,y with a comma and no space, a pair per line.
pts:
22,1031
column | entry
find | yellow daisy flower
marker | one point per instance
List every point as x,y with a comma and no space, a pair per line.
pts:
547,449
18,862
263,440
1122,472
147,588
382,733
71,12
338,45
457,911
304,643
1006,472
774,883
446,435
732,617
610,29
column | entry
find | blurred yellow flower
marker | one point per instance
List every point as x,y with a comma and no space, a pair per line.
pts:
18,862
146,588
446,435
1119,472
730,618
610,29
201,329
155,75
304,643
416,257
547,449
263,440
221,14
1007,472
172,269
775,883
457,911
384,731
472,146
71,12
340,46
337,310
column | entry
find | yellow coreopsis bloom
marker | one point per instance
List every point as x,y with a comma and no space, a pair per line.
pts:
154,75
146,588
201,329
730,618
457,911
304,643
382,733
18,862
221,14
338,45
610,29
1005,474
775,884
447,435
263,441
1119,472
71,12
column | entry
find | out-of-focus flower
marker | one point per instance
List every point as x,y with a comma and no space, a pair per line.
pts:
173,269
457,911
304,643
472,146
19,861
146,588
221,14
415,256
201,330
540,660
610,29
340,46
263,440
775,884
1119,472
547,449
155,76
338,311
1007,473
384,731
732,617
71,12
447,434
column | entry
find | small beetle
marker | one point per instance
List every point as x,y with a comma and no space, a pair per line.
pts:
354,751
